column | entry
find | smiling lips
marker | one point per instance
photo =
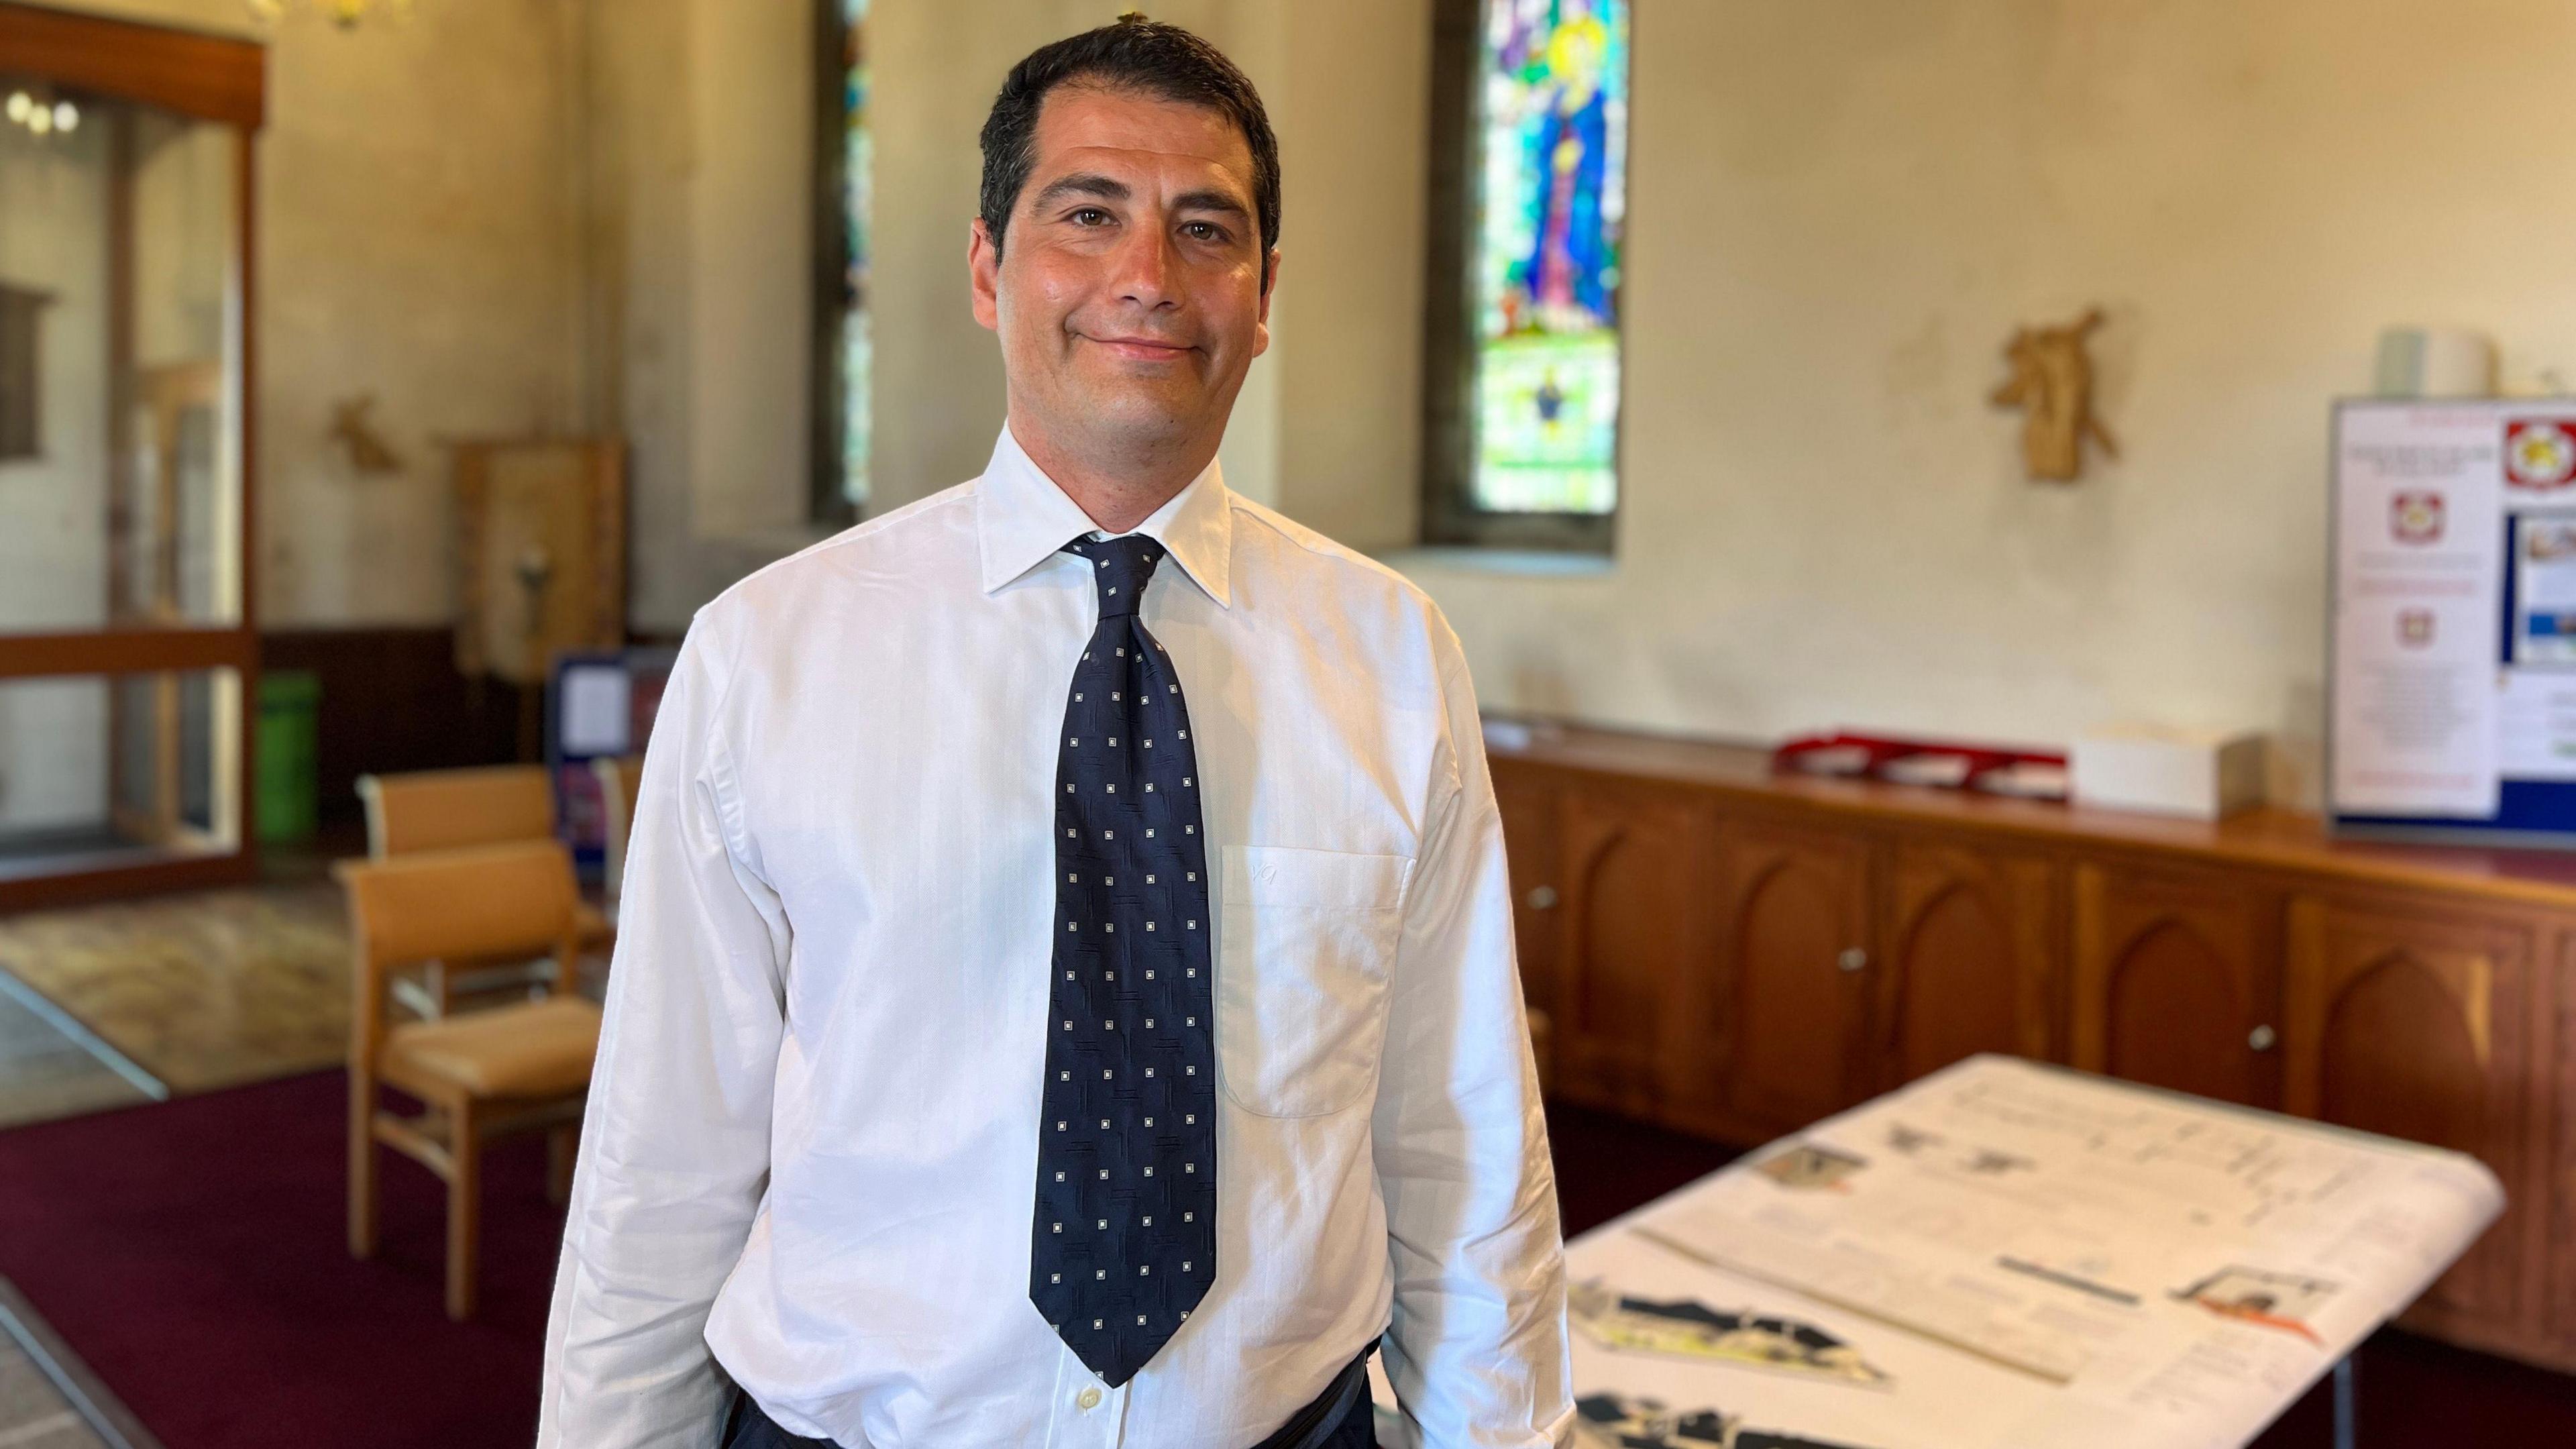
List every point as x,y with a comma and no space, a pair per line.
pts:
1141,349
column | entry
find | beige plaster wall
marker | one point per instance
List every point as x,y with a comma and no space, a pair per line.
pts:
1840,210
416,240
697,155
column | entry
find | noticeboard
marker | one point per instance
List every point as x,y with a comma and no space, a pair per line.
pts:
2451,710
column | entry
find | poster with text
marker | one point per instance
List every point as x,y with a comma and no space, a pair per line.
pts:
2453,701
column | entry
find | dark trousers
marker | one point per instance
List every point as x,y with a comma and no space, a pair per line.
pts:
746,1427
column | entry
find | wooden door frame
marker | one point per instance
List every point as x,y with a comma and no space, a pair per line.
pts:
212,78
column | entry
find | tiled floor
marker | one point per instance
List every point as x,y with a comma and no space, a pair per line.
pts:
46,1069
131,1001
203,989
33,1413
39,1382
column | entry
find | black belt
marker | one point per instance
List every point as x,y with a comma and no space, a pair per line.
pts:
747,1427
1313,1424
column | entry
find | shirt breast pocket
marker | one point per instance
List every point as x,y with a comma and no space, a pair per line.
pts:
1306,946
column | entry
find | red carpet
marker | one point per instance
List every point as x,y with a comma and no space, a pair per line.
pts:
193,1253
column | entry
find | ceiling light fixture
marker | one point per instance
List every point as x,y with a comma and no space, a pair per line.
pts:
42,114
344,13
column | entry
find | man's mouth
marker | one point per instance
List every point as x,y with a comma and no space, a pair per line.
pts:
1140,349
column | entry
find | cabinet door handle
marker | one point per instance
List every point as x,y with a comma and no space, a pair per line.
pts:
1541,898
1853,959
2261,1038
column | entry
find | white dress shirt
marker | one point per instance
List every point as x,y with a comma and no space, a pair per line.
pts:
811,1151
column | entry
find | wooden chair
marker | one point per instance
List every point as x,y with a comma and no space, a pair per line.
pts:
444,809
619,777
479,1075
428,810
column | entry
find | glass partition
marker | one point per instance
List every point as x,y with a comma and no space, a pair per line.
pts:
119,504
112,770
128,643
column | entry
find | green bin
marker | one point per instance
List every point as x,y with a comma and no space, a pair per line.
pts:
290,729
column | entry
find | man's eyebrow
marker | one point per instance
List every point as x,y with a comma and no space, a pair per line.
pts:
1080,183
1210,200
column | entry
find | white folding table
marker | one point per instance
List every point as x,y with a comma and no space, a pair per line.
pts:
2009,1255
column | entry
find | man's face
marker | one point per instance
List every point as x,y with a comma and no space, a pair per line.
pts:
1128,293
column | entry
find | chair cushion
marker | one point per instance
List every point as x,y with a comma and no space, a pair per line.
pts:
539,1049
593,927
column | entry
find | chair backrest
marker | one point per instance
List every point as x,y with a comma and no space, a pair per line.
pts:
508,901
446,809
619,777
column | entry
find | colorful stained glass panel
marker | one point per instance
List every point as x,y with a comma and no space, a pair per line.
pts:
1553,172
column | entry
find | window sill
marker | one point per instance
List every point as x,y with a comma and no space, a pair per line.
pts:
1533,563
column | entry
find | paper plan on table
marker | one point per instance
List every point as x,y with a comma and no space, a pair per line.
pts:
2007,1256
2140,1258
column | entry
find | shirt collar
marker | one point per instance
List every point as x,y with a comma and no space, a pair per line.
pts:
1022,518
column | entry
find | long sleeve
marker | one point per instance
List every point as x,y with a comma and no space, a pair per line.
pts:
675,1143
1477,1352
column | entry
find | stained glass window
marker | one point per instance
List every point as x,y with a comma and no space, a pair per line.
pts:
855,172
1553,132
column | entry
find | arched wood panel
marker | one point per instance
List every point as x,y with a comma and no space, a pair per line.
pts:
1634,868
2402,1057
1972,961
2174,1002
1530,812
2177,982
1952,978
1794,1014
2410,1025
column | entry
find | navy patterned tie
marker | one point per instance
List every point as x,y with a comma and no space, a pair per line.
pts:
1123,1244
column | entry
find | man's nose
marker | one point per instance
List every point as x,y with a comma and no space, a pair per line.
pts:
1145,268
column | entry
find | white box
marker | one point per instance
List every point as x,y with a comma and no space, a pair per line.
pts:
2204,774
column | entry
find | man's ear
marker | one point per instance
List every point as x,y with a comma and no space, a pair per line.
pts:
1269,284
984,274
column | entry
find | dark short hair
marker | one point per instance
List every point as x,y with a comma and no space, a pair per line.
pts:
1131,54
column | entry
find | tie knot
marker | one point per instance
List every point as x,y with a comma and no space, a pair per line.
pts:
1120,569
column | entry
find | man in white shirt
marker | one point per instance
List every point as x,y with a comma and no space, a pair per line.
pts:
951,1094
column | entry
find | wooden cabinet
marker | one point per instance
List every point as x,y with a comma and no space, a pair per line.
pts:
1632,868
2176,981
1969,959
1790,1000
1737,954
2411,1020
1529,806
2556,1205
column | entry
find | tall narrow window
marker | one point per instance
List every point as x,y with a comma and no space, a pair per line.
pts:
841,340
1525,296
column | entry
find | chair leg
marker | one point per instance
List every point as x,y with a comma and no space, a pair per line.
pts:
464,1204
362,1168
561,1142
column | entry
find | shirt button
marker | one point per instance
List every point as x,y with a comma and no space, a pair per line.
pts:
1088,1398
